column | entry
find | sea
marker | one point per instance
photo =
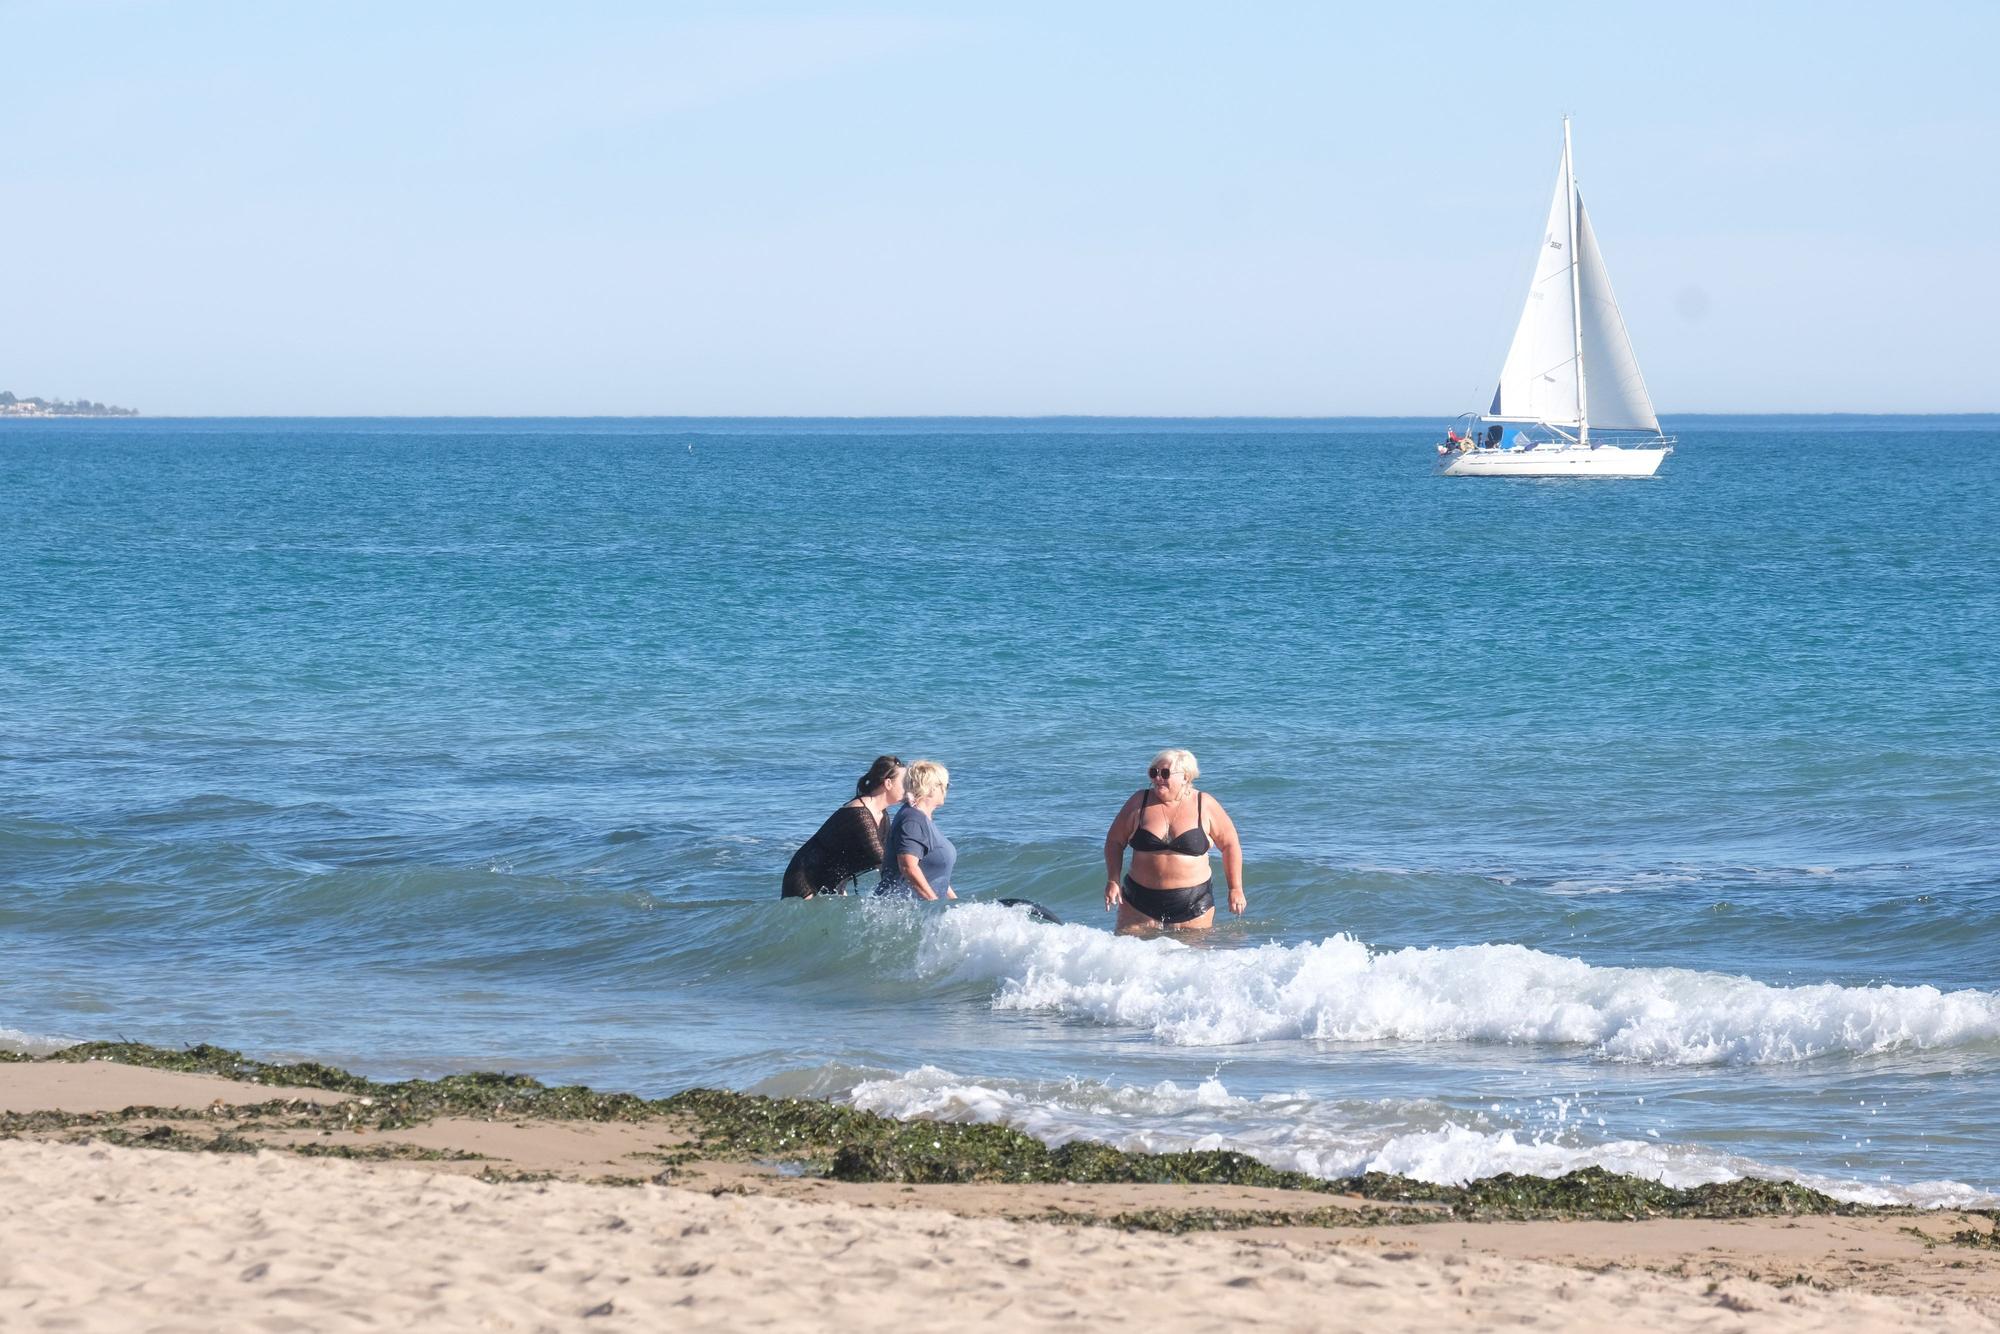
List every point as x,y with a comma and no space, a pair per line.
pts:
1652,825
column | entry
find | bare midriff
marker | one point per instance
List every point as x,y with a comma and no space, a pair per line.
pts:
1169,870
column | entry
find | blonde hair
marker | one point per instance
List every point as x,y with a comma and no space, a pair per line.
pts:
1182,760
927,778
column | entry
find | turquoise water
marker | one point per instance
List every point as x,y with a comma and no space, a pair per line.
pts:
1654,824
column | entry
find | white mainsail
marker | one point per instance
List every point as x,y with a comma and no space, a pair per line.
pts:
1571,361
1538,381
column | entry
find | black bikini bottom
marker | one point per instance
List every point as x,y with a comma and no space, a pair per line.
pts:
1171,906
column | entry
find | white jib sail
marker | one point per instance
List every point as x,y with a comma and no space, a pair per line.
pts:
1539,377
1618,397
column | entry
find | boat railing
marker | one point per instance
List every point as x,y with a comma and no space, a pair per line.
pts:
1541,435
1544,436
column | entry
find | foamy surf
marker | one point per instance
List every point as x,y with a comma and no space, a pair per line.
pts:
1336,1138
1340,990
32,1044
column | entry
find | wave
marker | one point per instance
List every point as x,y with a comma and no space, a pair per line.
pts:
1337,1138
1340,990
32,1044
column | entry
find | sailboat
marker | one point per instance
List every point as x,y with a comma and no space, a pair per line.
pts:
1571,401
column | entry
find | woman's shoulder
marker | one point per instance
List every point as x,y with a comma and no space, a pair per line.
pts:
851,813
910,825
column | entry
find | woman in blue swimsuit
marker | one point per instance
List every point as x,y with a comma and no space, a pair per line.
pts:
1170,828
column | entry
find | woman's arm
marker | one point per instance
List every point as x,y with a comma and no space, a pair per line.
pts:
1115,839
914,873
1222,833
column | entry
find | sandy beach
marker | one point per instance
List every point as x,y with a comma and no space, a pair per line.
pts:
934,666
99,1236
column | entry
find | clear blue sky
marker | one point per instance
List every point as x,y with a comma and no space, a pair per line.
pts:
1147,208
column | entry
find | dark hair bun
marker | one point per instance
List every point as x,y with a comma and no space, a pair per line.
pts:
878,773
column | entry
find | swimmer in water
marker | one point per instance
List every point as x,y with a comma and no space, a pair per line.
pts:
850,842
920,857
1170,828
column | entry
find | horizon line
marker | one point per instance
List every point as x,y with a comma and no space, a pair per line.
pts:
137,415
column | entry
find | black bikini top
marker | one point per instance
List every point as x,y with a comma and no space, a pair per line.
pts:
1190,842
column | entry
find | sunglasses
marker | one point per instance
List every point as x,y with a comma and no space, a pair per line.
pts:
1159,771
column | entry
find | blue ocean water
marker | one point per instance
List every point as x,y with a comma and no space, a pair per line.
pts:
1653,824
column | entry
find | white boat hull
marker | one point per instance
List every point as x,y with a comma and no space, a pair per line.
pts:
1555,461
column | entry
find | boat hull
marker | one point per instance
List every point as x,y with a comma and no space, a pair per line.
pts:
1576,461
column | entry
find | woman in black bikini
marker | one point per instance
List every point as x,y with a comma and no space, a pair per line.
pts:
850,842
1170,827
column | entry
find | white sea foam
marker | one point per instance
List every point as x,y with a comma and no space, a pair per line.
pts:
1639,880
1340,990
13,1039
1340,1138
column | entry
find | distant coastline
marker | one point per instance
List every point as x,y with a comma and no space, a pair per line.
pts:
11,406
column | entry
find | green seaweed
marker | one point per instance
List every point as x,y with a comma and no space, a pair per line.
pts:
1592,1192
376,1104
13,1125
390,1152
288,1114
928,1153
851,1145
499,1176
1987,1240
1203,1219
202,1059
745,1125
181,1141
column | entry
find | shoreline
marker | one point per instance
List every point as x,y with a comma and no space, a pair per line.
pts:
1776,1247
811,1139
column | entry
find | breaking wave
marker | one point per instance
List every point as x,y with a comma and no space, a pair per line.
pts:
1340,990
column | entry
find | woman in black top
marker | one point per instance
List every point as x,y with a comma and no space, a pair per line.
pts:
850,842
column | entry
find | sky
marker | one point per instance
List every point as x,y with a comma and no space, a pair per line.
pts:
746,208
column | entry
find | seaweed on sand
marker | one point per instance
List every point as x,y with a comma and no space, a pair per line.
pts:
203,1059
378,1105
1988,1240
170,1137
390,1152
1592,1192
850,1145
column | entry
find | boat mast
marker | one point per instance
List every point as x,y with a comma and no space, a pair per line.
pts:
1575,291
